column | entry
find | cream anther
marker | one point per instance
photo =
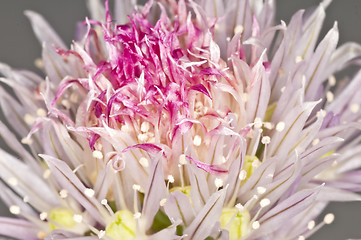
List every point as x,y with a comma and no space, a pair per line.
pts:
354,108
218,182
332,80
78,218
329,96
171,178
163,202
14,209
298,59
144,162
63,193
29,119
98,154
238,29
41,112
13,181
197,140
101,234
266,140
46,174
27,141
311,225
242,175
265,202
89,192
182,159
145,127
329,218
43,216
280,126
255,225
261,190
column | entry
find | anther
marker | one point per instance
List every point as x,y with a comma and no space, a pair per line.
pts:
255,225
197,140
13,181
63,193
311,225
43,216
14,209
41,112
89,192
218,182
280,126
329,218
97,154
144,162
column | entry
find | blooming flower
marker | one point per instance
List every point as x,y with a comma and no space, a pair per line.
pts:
181,120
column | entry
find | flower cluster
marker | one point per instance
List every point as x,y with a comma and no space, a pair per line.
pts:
181,120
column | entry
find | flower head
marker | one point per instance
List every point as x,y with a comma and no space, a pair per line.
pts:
181,120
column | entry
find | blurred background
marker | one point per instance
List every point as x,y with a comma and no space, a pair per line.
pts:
19,49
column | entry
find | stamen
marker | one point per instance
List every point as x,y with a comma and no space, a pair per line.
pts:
268,125
298,59
218,182
41,234
46,174
311,225
77,168
89,192
329,218
180,167
182,159
265,202
354,108
14,209
170,178
29,119
255,225
13,181
63,193
242,175
315,142
26,199
137,215
27,141
301,238
74,98
145,127
280,126
104,202
329,96
258,122
43,216
66,103
78,218
41,112
98,154
266,140
163,202
136,188
332,80
238,29
144,162
101,234
197,140
261,190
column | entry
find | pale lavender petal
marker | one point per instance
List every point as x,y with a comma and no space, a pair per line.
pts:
199,228
43,31
18,228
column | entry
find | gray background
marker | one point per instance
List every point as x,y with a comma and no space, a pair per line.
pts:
19,48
